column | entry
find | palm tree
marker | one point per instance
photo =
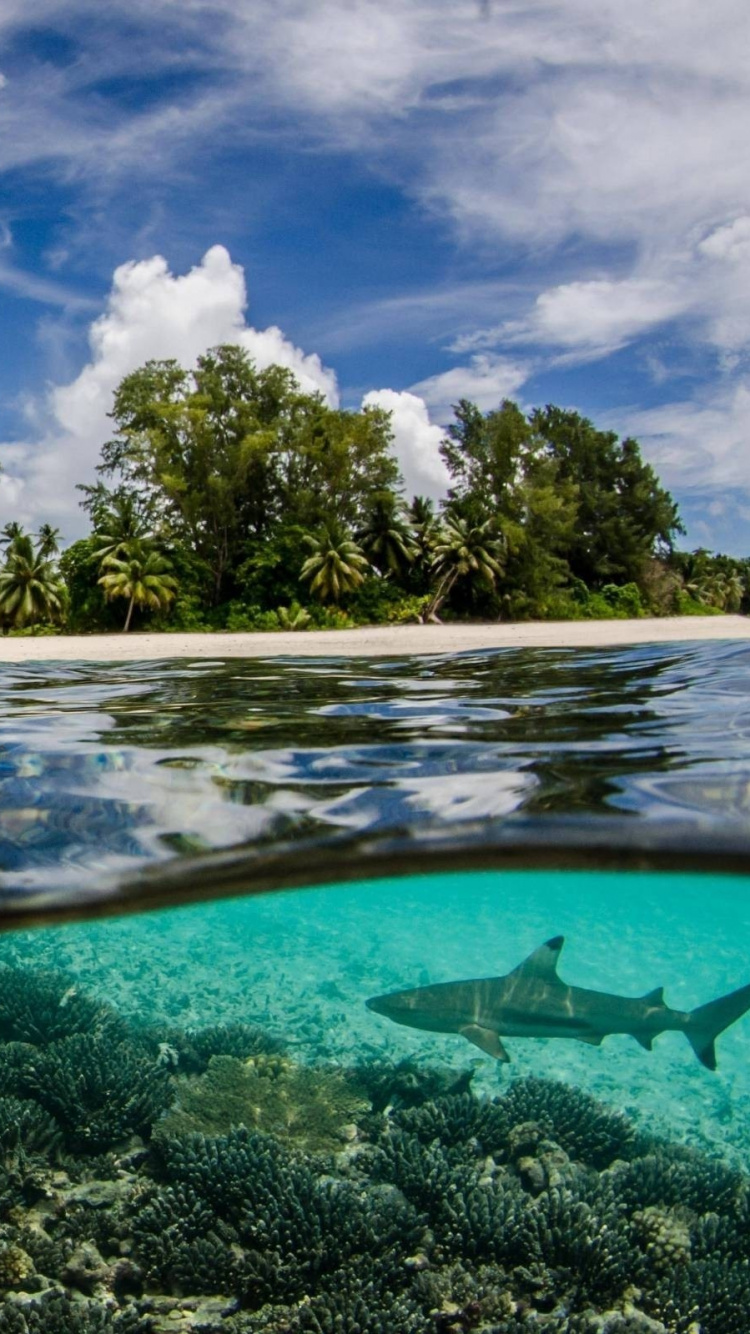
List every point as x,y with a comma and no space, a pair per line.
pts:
48,539
118,525
336,565
461,551
140,573
10,533
386,536
30,588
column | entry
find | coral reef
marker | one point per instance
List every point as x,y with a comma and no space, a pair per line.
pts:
310,1108
156,1180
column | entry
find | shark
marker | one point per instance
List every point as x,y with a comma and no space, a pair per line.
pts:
533,1002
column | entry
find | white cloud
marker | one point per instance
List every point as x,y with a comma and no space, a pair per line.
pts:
150,313
416,442
698,444
486,381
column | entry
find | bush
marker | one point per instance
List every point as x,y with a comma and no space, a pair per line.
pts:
625,599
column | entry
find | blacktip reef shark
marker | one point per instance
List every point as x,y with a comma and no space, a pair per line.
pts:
532,1002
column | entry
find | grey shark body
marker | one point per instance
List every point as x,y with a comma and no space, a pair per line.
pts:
532,1002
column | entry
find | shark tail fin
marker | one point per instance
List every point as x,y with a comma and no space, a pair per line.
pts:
708,1021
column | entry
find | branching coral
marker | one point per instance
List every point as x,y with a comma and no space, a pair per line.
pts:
99,1090
39,1007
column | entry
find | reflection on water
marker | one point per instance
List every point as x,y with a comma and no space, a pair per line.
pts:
106,769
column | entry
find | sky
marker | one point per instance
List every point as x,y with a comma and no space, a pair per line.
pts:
405,201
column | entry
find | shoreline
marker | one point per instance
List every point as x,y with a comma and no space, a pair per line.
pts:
373,641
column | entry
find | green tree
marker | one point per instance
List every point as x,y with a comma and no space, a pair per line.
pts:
227,454
141,575
463,552
31,589
386,536
48,540
624,515
336,564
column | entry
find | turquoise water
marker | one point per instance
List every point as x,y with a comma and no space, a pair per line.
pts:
204,1126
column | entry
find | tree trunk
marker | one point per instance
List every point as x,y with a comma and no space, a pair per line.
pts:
441,593
130,613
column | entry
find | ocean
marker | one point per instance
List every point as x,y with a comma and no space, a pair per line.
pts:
209,869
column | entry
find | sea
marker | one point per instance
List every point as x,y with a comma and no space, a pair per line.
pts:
207,870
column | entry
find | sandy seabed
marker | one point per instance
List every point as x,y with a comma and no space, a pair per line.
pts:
374,641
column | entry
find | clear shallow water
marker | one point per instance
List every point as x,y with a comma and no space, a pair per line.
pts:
204,1126
105,771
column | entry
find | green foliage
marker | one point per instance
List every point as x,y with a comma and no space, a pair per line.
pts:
235,501
229,454
140,574
31,590
336,565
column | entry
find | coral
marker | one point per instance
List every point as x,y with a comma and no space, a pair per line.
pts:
15,1266
195,1047
26,1129
58,1313
39,1007
710,1295
242,1211
587,1130
405,1084
309,1107
98,1090
665,1236
686,1178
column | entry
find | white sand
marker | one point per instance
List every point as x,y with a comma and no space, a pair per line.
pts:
373,642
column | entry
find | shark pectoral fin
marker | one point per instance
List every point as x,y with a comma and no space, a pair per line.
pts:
645,1040
593,1039
486,1039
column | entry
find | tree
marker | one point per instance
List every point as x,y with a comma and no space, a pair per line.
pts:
386,537
484,453
30,587
336,565
624,515
48,539
10,532
139,573
463,552
227,454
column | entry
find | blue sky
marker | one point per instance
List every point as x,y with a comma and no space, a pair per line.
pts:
407,202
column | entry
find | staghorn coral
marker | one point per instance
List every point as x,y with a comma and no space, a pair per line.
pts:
273,1225
406,1084
99,1090
58,1313
39,1007
195,1047
307,1107
26,1129
587,1130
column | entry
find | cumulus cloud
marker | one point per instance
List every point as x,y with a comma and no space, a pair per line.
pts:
486,381
150,313
416,442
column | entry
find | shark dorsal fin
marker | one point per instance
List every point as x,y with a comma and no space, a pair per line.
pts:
543,962
655,997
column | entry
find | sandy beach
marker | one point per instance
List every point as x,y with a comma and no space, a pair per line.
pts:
373,641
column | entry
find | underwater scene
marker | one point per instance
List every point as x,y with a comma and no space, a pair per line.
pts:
366,996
